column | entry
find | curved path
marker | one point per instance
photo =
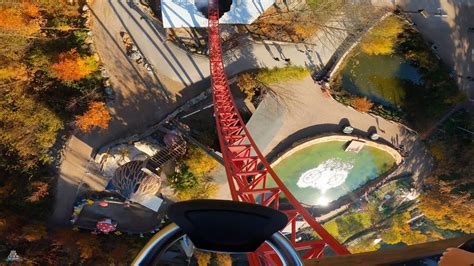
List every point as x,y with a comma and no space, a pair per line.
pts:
141,99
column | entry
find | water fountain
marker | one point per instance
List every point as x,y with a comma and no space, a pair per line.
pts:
320,173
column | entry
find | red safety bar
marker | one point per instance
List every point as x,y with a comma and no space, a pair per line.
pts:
247,170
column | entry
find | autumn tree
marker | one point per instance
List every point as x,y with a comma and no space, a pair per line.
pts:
205,189
30,9
449,212
304,31
28,127
96,116
247,84
12,72
223,259
71,66
362,104
203,258
13,21
198,162
59,7
40,190
398,226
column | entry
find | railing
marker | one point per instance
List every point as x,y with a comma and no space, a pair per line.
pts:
392,256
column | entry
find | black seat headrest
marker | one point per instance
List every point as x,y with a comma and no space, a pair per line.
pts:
226,226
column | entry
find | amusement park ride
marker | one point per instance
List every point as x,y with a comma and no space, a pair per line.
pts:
247,170
220,225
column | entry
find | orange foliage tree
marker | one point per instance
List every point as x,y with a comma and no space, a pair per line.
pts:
71,66
40,191
30,9
362,104
223,259
13,21
96,116
203,258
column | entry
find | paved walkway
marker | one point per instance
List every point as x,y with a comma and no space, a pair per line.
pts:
306,112
187,69
455,45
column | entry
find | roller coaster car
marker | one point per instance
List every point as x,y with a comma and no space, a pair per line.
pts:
232,227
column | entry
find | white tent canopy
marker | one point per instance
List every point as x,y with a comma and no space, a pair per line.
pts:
184,13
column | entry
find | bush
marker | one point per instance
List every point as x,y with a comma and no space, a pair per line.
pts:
183,180
198,162
275,75
362,104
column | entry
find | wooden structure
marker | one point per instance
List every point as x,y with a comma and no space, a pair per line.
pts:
139,180
391,255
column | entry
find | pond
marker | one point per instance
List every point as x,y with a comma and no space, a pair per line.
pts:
381,78
323,172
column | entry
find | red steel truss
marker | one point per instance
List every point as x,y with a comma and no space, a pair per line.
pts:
247,170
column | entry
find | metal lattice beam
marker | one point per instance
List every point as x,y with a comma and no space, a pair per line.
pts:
247,170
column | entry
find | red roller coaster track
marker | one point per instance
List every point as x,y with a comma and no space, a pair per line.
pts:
247,170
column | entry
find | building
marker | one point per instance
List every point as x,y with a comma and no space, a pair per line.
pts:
192,13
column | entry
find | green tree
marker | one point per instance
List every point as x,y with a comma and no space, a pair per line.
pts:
349,225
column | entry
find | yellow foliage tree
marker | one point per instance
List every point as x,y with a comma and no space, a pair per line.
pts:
198,162
414,237
398,227
304,31
13,72
204,190
30,9
223,259
362,104
13,21
71,66
203,258
96,116
382,38
448,211
247,84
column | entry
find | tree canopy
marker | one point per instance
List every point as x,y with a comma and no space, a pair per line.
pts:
71,66
96,116
28,127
